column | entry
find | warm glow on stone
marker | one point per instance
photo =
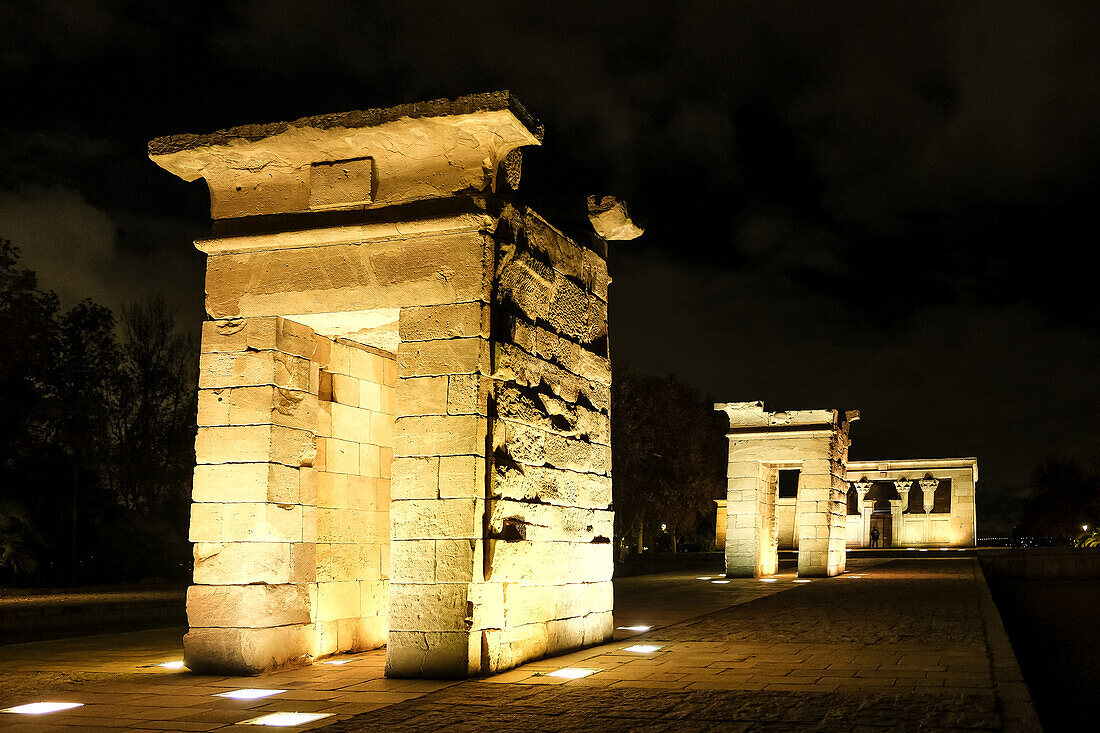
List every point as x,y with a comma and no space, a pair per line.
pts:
40,708
572,673
249,694
286,720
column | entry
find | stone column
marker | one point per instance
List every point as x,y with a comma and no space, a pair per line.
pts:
750,501
895,520
250,608
865,510
928,489
903,486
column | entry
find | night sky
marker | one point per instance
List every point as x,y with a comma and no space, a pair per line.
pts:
879,206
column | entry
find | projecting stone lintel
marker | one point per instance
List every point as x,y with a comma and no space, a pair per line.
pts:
748,416
358,159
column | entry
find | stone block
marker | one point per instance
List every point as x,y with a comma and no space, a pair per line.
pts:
549,562
341,456
412,561
257,406
468,394
381,429
351,423
246,522
255,444
347,277
551,485
368,365
441,358
415,478
255,606
427,607
246,651
240,563
461,477
251,482
332,490
253,368
453,320
458,561
370,395
436,519
338,600
436,655
370,461
421,396
345,390
510,647
258,334
440,435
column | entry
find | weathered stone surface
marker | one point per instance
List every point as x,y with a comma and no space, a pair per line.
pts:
515,365
436,519
242,563
246,651
553,486
258,334
437,655
549,562
257,605
444,357
410,271
251,482
550,413
453,320
440,435
255,444
534,447
251,368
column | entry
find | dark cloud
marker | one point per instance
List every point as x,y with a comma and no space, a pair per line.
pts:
861,204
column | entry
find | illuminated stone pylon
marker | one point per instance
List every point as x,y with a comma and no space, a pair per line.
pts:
404,398
814,442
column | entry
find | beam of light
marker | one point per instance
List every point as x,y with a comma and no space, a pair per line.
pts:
635,628
767,580
41,708
642,648
249,694
338,661
178,664
801,580
704,577
285,720
572,673
719,581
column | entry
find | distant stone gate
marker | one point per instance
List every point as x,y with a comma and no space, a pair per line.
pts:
829,503
404,432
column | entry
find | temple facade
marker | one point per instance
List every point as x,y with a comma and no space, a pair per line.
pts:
791,487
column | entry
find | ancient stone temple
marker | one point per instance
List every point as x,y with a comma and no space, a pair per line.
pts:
404,397
791,487
813,443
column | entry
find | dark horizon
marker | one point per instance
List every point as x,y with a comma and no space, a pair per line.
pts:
875,208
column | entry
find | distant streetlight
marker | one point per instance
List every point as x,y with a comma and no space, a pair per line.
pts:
664,526
1084,528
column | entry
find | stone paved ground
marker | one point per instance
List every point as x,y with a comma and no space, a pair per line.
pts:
902,645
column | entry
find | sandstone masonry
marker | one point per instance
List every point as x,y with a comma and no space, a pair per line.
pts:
405,397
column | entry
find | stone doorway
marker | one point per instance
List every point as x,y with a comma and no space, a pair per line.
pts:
884,523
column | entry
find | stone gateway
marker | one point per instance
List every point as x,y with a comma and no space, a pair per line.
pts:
404,409
792,487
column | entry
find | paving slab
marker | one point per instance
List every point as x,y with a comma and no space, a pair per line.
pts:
892,645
